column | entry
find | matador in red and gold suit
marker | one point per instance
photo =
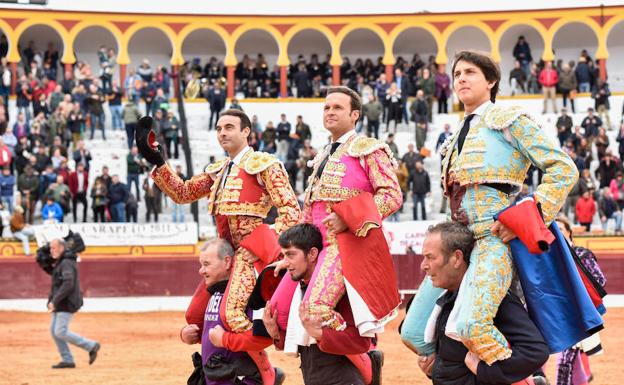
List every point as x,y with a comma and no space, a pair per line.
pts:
241,192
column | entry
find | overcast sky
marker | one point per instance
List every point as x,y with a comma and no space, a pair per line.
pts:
307,7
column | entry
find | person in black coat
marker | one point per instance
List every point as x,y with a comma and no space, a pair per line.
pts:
216,100
447,249
421,187
64,300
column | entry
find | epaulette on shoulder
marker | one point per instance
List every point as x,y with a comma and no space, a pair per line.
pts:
362,146
502,117
215,167
259,161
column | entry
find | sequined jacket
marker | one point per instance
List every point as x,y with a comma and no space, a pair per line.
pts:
360,164
251,188
500,148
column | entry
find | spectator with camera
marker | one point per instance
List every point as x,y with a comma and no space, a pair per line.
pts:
64,301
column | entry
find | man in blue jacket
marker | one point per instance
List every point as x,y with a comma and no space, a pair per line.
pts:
446,252
52,212
7,184
64,300
118,195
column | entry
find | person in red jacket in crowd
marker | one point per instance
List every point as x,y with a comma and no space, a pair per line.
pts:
5,155
222,351
78,187
585,210
548,78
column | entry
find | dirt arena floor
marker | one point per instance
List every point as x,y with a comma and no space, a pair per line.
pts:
144,349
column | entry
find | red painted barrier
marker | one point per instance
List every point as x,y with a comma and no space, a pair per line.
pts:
117,277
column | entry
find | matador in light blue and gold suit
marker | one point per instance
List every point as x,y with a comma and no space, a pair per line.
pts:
501,144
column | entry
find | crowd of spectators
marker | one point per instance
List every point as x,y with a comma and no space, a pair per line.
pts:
311,78
44,159
564,78
54,116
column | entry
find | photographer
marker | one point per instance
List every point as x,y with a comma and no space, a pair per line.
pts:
64,300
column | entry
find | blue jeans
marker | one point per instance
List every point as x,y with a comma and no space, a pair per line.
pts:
178,213
23,236
413,330
617,216
133,178
7,201
62,335
116,116
26,111
584,87
419,199
100,122
526,67
130,128
118,212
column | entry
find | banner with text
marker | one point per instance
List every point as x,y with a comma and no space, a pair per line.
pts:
122,234
404,235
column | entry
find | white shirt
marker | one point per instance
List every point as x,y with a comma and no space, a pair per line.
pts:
80,177
478,113
236,161
345,136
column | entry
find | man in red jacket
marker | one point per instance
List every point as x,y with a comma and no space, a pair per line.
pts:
78,187
5,155
548,78
585,210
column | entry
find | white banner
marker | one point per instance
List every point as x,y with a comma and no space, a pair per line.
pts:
122,234
401,235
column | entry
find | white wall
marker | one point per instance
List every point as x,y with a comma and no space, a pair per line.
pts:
307,42
204,44
615,70
257,41
362,43
152,44
571,39
415,40
466,38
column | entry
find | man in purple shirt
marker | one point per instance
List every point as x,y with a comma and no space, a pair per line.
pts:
220,365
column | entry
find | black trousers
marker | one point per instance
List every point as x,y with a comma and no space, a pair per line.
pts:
214,114
373,129
80,197
320,368
99,214
176,146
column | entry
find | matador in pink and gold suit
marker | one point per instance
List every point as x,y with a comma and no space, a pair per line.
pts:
357,182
